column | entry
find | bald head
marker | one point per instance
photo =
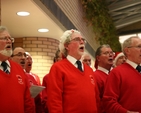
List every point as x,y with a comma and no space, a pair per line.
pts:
86,58
28,64
19,56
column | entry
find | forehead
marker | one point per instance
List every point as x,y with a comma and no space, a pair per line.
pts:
136,41
18,50
87,57
4,33
106,49
28,56
76,35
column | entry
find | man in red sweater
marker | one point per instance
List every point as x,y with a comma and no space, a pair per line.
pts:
122,90
70,90
28,67
58,56
19,56
104,57
14,90
86,58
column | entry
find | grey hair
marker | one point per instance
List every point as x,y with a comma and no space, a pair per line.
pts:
127,43
65,39
98,51
3,28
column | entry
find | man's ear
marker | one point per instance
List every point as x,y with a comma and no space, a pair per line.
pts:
126,50
97,58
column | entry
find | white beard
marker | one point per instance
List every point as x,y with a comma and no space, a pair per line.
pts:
7,53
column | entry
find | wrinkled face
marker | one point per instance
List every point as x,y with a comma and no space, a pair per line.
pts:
76,46
106,57
28,64
87,60
133,52
5,44
120,60
19,56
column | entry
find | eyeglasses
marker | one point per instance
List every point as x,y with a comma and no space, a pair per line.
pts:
139,46
108,53
20,55
87,60
7,38
78,39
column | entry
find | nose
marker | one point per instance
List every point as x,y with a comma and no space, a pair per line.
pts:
82,40
124,59
8,40
23,57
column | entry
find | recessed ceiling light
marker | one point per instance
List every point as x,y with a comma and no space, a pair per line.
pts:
23,13
43,30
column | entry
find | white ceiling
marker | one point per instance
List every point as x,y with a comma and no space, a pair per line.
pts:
27,26
124,12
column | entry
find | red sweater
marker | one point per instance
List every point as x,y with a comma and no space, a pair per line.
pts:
14,91
36,77
44,94
37,99
100,78
69,90
123,90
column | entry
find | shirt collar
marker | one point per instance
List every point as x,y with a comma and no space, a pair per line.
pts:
8,64
134,65
103,69
71,59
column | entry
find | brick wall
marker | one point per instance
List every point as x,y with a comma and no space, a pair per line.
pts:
18,42
42,51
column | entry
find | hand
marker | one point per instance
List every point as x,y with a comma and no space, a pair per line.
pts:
132,112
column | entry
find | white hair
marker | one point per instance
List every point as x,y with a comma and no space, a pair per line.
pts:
28,54
65,38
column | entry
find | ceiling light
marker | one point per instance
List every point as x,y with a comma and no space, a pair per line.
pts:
23,13
43,30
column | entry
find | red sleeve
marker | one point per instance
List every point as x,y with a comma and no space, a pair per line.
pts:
97,95
44,94
100,85
29,103
111,94
37,79
54,90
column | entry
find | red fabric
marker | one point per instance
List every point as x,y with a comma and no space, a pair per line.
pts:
36,77
116,53
31,79
63,56
69,90
122,90
100,78
96,64
44,94
37,99
14,91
